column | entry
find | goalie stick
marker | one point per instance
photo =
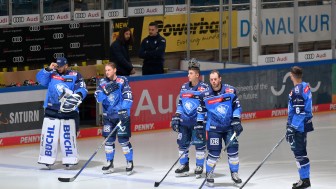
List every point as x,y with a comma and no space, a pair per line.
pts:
88,161
213,168
156,184
263,161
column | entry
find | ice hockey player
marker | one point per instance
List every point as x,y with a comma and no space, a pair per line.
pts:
299,123
66,91
185,121
115,95
222,108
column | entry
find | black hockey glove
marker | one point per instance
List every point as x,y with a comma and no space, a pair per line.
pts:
175,123
199,128
290,134
123,116
110,87
236,126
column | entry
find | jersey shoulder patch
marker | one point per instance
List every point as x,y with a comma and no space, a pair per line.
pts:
306,89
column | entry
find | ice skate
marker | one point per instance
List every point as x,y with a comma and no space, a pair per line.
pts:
302,184
210,181
182,171
235,178
108,168
129,168
198,172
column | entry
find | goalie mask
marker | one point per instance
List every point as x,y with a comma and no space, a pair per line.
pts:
70,103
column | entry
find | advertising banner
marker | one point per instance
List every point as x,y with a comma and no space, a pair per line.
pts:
204,31
269,89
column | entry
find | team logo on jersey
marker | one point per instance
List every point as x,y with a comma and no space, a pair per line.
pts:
190,106
229,90
306,89
60,87
201,89
222,109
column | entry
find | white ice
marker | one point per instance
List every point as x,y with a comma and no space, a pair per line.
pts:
155,153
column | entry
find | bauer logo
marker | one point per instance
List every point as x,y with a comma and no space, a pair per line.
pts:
214,141
58,35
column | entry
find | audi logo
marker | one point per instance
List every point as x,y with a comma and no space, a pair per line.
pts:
74,25
269,59
113,14
18,19
309,56
48,17
80,15
169,9
57,55
34,28
139,11
35,48
58,35
17,59
74,45
17,39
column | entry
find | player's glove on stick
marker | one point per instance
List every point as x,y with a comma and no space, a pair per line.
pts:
175,123
199,129
236,126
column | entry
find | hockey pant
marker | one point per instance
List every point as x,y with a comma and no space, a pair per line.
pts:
52,131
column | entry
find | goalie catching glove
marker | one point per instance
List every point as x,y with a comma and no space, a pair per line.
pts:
70,103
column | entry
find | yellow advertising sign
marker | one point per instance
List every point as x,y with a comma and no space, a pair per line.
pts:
204,30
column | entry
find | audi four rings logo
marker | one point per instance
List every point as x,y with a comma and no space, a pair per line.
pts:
169,9
74,25
139,11
74,45
113,13
80,15
18,19
35,48
17,39
17,59
48,17
269,59
34,28
309,56
58,35
57,55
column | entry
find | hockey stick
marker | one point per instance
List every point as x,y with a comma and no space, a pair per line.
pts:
156,184
88,161
263,161
213,168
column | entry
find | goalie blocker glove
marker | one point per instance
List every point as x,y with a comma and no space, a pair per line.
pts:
71,103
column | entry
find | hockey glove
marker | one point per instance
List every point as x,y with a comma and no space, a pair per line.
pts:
71,103
290,134
123,116
110,87
199,128
175,123
236,126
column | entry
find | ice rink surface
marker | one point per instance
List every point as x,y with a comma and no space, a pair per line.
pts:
155,153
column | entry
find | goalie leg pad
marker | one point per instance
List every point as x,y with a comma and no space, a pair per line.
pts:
68,142
49,141
126,148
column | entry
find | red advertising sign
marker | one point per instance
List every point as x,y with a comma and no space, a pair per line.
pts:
154,103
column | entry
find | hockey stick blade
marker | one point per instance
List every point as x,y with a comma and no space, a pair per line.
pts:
66,179
156,184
